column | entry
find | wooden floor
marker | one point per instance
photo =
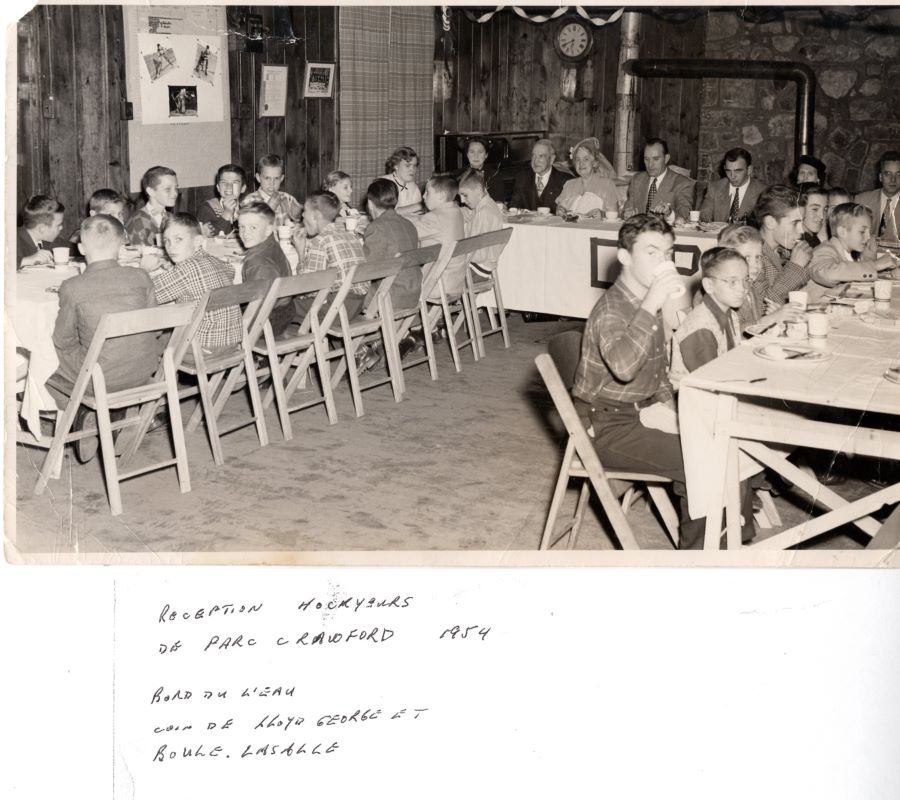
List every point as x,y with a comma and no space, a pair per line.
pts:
464,463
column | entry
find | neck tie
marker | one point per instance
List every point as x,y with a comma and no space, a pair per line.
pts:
887,229
651,195
540,185
735,206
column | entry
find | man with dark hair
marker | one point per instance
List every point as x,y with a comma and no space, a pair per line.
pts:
884,203
732,198
660,190
42,220
623,365
540,185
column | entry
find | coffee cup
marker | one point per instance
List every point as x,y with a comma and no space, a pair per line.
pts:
798,299
666,266
817,324
796,330
351,223
694,216
544,211
61,256
284,232
882,287
611,214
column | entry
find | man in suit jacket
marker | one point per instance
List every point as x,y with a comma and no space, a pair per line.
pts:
718,204
542,184
884,203
672,194
42,220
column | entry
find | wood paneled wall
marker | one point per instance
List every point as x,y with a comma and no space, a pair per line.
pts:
77,143
307,137
76,54
506,75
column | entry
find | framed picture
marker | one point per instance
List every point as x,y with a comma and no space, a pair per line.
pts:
273,91
318,80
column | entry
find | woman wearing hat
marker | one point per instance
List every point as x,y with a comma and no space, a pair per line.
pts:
592,191
476,155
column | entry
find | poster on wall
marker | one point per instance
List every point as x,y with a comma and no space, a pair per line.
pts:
179,79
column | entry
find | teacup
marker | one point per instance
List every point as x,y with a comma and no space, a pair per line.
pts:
544,211
882,287
284,232
694,216
351,223
611,215
798,299
61,255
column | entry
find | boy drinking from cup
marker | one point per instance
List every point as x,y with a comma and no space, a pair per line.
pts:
623,363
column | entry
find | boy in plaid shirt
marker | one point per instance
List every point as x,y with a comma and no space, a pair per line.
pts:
160,186
194,273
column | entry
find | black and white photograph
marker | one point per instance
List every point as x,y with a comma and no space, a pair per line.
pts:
453,401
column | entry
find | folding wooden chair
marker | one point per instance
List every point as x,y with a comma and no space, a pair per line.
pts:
291,357
164,384
477,284
373,325
218,373
581,461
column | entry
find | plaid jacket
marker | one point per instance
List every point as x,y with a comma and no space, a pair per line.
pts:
335,248
189,281
283,204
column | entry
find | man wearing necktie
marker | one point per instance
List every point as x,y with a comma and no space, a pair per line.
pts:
542,183
732,198
659,190
884,203
42,221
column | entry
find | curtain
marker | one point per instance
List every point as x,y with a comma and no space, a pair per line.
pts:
386,58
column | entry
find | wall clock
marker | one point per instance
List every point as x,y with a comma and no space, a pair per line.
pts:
573,40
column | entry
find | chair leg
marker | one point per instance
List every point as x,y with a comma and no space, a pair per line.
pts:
107,448
175,426
628,499
277,389
476,319
206,407
199,412
352,374
501,313
562,481
470,325
320,348
451,333
392,354
429,343
255,400
660,498
769,508
53,460
579,513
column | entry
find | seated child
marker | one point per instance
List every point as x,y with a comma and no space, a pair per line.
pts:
42,220
443,223
389,234
194,273
104,201
747,241
269,177
480,215
219,214
834,261
623,363
264,259
323,244
712,329
340,184
160,187
103,287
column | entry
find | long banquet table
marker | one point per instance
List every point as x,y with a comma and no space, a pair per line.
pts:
729,426
555,267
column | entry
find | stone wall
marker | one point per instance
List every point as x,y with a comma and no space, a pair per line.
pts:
857,99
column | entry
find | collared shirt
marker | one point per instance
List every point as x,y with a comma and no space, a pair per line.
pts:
335,248
283,204
623,352
707,332
188,282
407,193
543,177
888,203
779,277
733,189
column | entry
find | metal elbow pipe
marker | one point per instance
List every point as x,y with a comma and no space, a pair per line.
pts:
801,74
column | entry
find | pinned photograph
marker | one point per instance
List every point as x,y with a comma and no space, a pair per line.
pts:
160,61
318,80
206,63
182,101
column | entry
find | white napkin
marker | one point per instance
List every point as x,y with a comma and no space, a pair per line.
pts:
660,417
586,202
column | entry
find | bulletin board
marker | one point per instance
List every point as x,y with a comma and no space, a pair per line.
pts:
177,79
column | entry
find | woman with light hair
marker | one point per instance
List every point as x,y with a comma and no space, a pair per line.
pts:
593,191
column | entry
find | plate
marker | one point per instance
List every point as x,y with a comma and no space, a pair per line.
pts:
791,353
892,374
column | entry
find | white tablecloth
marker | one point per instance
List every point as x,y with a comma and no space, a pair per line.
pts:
562,268
853,378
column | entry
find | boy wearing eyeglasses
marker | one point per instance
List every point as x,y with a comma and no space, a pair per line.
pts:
713,327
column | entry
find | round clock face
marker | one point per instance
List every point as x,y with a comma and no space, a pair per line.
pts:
573,40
